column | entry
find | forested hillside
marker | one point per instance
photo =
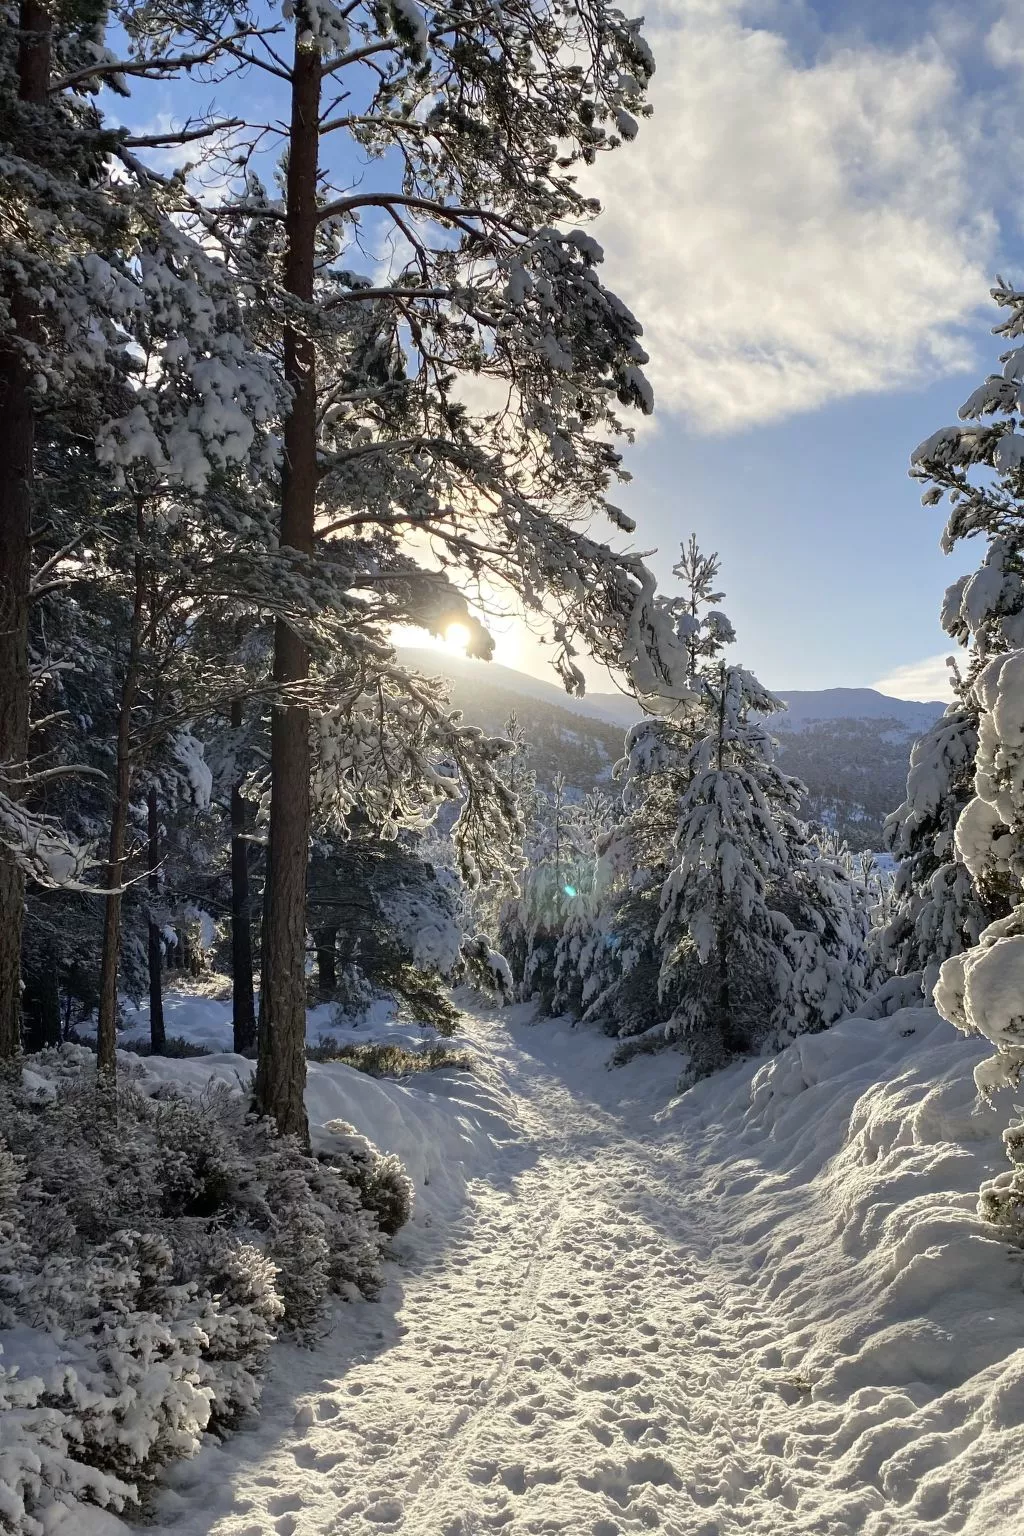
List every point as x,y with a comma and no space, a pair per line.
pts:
849,746
855,771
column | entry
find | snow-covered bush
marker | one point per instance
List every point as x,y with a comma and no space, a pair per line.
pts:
486,969
162,1240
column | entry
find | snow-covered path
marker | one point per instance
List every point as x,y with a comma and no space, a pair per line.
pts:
585,1349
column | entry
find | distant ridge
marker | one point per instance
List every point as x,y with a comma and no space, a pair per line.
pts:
805,705
614,708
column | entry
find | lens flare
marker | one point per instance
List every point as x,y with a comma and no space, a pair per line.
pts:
457,636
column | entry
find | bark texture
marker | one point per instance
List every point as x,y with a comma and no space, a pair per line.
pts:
281,1065
106,1035
157,1031
243,1004
17,451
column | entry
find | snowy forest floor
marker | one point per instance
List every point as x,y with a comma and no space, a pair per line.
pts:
728,1313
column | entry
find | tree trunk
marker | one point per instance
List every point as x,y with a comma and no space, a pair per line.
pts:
42,1009
281,1066
106,1034
17,450
326,940
243,1006
157,1032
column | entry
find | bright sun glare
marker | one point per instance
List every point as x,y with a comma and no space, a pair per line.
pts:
457,636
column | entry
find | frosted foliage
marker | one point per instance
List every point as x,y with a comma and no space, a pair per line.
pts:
410,23
41,1473
41,847
982,992
934,834
981,470
189,755
158,1271
427,928
988,834
324,24
204,392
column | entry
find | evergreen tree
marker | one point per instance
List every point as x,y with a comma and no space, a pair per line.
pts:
978,466
720,934
496,287
712,916
938,910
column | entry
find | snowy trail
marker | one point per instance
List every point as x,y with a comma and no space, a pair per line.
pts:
583,1352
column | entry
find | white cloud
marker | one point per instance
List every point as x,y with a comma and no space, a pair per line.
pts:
927,679
1005,41
791,233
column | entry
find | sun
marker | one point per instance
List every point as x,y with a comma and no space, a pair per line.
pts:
457,636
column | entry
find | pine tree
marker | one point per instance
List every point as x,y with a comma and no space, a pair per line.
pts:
713,917
978,984
938,910
87,253
719,932
494,286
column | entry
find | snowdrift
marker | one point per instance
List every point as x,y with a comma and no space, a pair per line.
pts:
841,1181
445,1126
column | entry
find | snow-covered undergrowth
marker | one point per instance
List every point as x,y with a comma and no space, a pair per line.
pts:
767,1305
201,1020
153,1242
841,1182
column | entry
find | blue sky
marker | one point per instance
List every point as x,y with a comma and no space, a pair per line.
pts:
807,229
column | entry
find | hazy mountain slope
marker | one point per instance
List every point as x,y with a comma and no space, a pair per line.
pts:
565,736
809,705
850,746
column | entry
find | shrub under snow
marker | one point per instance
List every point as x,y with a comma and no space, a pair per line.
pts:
152,1244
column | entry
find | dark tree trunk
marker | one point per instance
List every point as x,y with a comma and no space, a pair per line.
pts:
17,450
281,1067
157,1032
243,1005
326,940
106,1035
42,1010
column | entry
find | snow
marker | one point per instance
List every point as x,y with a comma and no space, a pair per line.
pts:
765,1306
206,1021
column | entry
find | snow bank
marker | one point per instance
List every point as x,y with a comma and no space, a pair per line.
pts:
206,1021
843,1179
446,1126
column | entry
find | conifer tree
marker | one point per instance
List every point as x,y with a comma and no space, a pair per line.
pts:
938,910
979,467
85,253
388,435
715,918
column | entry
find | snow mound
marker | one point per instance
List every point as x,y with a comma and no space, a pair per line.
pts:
445,1126
844,1177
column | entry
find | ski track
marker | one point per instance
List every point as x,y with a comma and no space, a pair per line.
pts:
576,1354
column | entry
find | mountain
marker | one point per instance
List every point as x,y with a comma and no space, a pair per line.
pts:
482,678
809,706
567,735
850,746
